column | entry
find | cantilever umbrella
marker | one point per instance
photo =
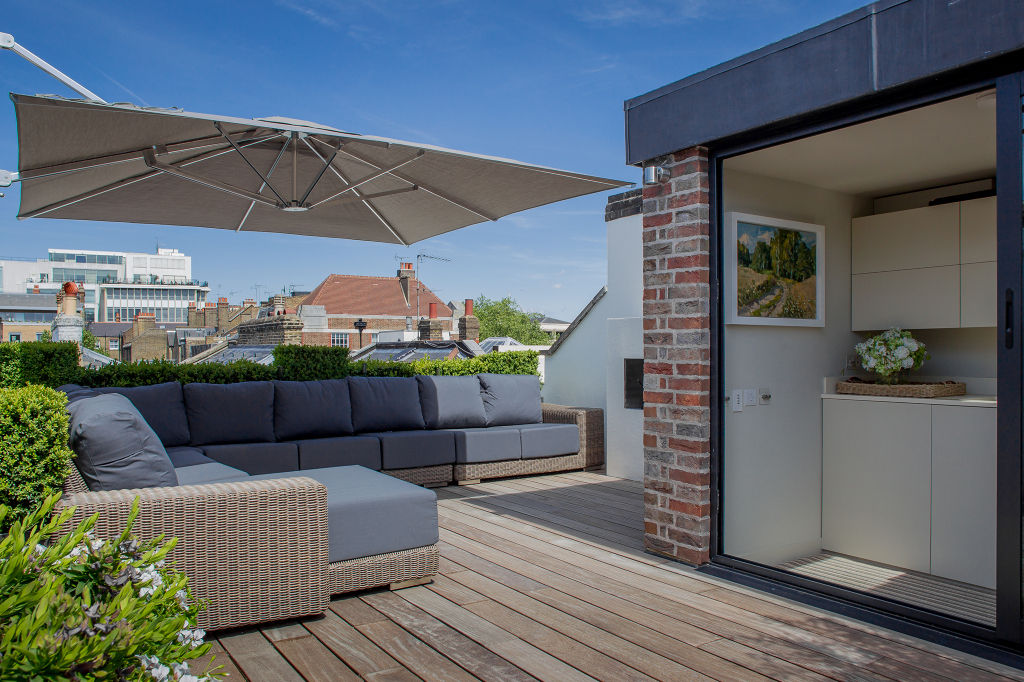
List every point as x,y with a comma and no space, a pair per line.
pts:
87,160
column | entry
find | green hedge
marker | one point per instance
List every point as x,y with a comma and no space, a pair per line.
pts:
55,364
34,452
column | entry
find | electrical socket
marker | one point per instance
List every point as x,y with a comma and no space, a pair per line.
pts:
852,361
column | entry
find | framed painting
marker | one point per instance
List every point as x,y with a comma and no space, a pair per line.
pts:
774,271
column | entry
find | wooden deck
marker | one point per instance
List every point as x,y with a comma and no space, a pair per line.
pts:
545,578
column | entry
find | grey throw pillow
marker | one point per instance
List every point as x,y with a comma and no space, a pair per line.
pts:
451,402
115,448
511,398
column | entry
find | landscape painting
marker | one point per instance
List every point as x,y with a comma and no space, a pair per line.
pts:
774,271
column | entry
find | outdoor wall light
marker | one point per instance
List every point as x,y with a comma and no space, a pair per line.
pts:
654,175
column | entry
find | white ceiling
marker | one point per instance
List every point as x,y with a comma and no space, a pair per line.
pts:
943,143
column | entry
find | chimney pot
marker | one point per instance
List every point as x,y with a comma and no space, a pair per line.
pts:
222,300
433,311
469,307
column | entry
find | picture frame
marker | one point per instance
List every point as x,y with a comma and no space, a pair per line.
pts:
774,271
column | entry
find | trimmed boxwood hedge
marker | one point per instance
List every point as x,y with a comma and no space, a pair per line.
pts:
55,364
34,452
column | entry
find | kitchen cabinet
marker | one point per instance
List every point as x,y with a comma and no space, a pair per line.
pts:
925,268
911,483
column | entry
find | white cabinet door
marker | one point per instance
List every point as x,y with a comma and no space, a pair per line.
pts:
927,298
978,301
978,230
964,494
876,482
901,240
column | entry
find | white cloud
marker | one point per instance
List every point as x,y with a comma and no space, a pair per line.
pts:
308,12
653,12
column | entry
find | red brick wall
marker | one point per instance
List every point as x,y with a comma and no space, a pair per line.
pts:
677,368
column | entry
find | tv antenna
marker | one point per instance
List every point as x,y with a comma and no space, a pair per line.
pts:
258,288
419,285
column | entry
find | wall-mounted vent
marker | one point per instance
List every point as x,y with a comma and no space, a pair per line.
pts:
633,384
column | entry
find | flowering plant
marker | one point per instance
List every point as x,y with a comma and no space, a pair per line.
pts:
890,353
79,608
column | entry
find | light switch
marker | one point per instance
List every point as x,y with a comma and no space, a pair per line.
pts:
737,400
764,395
749,396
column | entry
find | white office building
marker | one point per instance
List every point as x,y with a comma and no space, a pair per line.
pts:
118,285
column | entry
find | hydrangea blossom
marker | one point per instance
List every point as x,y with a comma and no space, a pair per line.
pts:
890,353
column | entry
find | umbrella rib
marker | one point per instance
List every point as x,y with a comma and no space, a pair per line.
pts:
98,161
368,178
249,163
125,182
273,166
327,164
433,190
212,183
334,169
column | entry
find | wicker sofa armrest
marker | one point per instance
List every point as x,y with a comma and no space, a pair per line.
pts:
590,421
255,550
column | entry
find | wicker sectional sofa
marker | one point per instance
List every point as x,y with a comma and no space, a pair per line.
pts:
279,498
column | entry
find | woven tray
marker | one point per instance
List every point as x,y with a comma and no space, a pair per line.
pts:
931,389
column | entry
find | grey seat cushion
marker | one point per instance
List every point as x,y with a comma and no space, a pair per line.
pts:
487,445
256,458
312,409
408,449
549,440
210,472
115,448
385,404
186,456
163,408
451,402
372,513
230,413
75,392
511,399
335,452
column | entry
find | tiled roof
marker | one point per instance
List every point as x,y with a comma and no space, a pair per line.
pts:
358,295
106,329
11,301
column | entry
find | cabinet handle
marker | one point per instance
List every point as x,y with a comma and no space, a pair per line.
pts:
1008,320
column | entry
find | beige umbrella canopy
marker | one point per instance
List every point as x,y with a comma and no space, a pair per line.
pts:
85,160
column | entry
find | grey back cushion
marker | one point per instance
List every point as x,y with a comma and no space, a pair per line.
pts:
385,404
511,398
451,402
163,408
312,409
115,448
75,392
230,413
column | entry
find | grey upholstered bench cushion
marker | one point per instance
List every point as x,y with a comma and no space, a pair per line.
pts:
186,456
312,409
497,444
451,402
209,472
409,449
511,399
256,458
114,446
230,413
318,453
372,513
385,404
549,440
163,408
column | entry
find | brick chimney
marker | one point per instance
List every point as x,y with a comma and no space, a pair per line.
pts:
431,329
469,325
405,273
278,305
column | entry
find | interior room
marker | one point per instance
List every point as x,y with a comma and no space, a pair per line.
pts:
829,241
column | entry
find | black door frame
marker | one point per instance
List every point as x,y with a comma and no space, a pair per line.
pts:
894,614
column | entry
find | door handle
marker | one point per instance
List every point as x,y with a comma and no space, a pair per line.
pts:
1008,320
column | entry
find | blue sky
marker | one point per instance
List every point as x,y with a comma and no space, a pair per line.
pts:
541,82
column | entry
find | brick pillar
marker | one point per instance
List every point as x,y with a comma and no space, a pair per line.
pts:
677,367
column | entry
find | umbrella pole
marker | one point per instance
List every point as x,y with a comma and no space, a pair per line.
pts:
7,42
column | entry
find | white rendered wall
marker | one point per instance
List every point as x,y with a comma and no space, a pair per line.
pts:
574,374
772,460
624,454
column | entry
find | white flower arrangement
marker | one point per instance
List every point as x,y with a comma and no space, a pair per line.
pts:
891,353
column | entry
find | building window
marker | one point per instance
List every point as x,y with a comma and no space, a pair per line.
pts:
373,337
339,339
114,344
14,338
39,336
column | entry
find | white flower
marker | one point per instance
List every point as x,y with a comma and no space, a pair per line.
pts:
902,353
191,638
908,363
150,575
911,345
76,552
157,670
182,598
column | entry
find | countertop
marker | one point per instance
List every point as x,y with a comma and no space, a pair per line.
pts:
957,400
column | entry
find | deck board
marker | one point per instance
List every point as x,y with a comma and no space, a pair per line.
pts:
546,578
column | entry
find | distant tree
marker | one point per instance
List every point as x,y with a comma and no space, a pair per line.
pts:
504,317
742,254
762,258
89,340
